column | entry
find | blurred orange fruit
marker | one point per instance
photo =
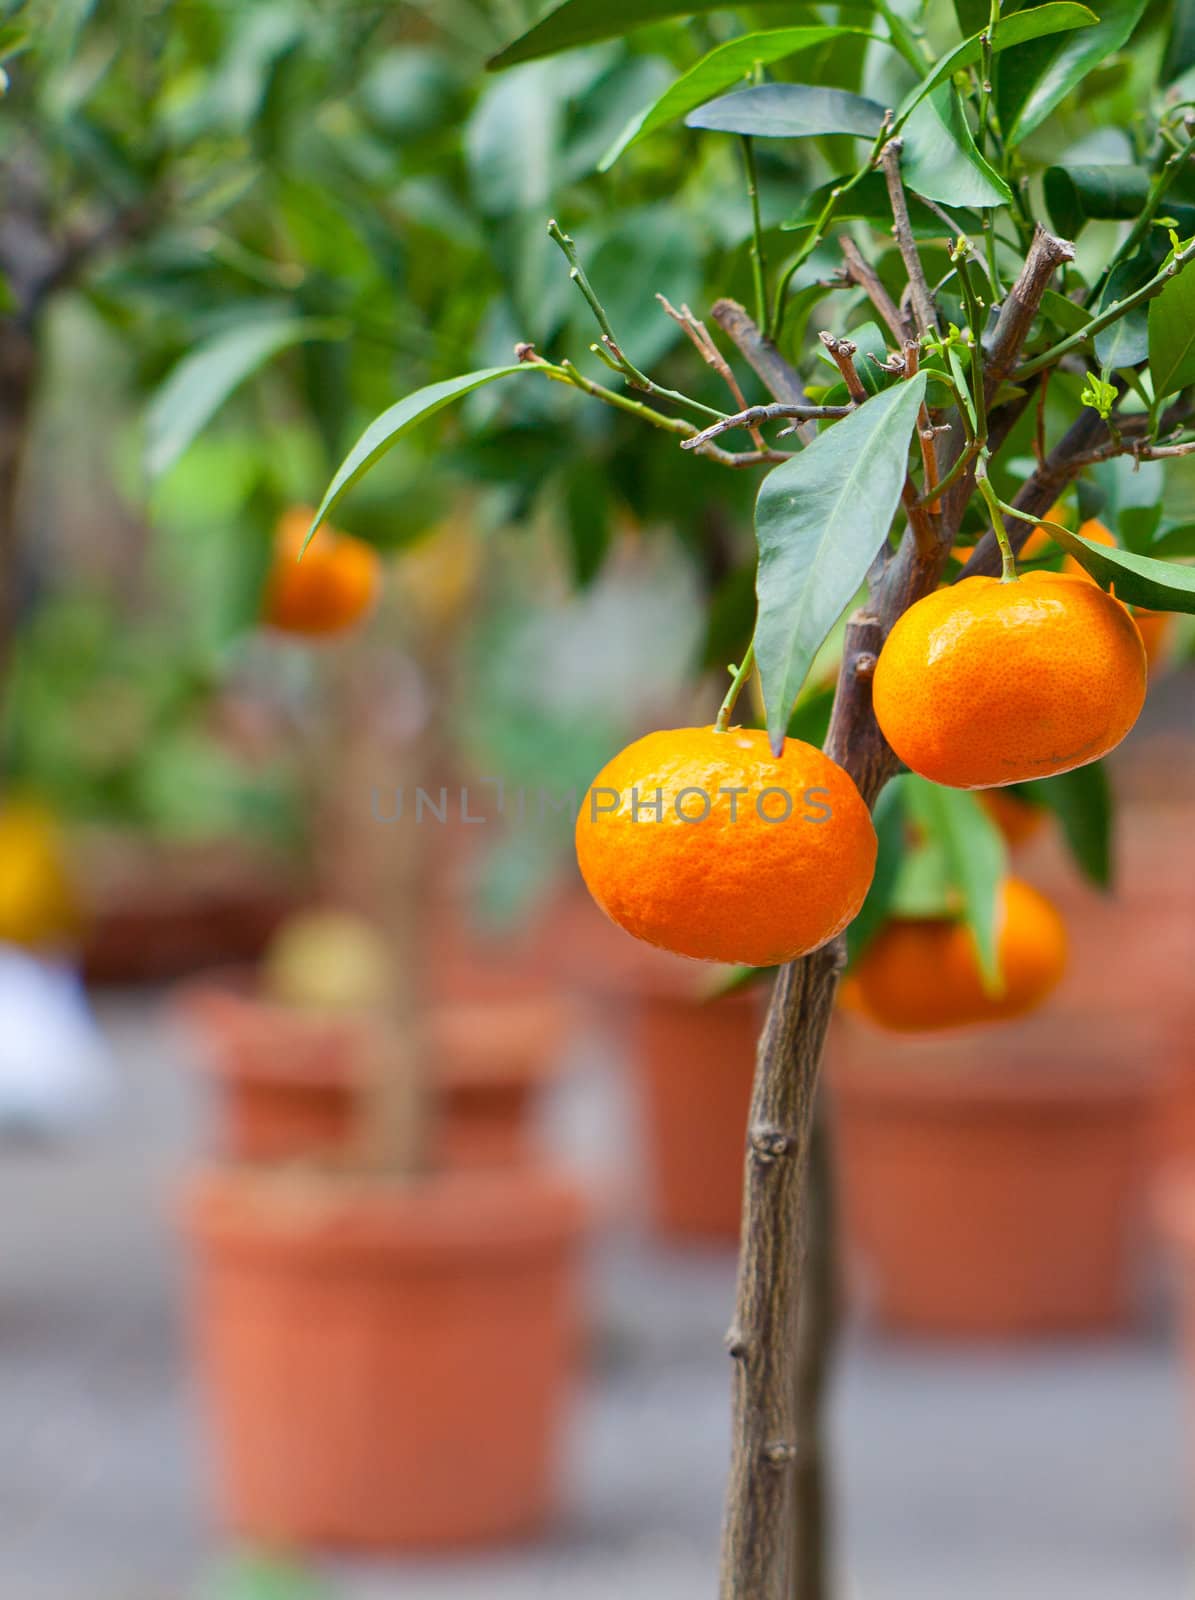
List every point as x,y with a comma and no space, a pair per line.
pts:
1016,819
921,974
39,905
706,844
326,592
987,683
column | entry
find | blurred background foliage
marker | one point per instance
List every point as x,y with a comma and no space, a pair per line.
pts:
235,233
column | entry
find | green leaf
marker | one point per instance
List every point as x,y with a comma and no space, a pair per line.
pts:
975,856
1082,802
1064,313
867,201
789,111
203,380
890,826
1172,336
719,70
1031,83
1176,542
870,341
1077,195
1021,26
1126,341
1139,580
576,22
385,431
939,158
1180,48
820,519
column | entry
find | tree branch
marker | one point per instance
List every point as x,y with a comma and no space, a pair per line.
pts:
1046,254
861,272
754,415
925,317
782,381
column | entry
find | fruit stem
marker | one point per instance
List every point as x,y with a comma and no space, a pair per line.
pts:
1008,564
741,673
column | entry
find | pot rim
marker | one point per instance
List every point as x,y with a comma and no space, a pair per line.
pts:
442,1220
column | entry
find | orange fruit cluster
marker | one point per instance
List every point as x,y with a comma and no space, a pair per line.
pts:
706,844
327,591
922,974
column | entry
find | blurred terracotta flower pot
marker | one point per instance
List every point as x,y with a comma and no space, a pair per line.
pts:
694,1060
992,1179
385,1365
290,1080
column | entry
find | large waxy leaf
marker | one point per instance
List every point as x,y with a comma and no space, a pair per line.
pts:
1031,83
789,111
717,71
1076,195
1138,580
575,22
205,378
385,431
975,859
1082,802
1060,16
1171,338
939,158
820,519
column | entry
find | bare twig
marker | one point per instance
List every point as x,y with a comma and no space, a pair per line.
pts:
844,352
925,317
781,380
699,334
859,271
753,415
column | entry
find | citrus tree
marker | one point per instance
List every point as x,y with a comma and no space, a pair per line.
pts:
1003,283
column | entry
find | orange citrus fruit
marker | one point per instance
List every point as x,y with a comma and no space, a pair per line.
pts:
706,844
326,592
987,683
1016,819
920,974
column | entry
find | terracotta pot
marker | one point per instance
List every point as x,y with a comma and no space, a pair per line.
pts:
385,1367
158,912
992,1178
289,1080
694,1060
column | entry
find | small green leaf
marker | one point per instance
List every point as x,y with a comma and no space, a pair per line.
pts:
976,859
1172,335
576,22
1139,580
820,520
386,430
203,380
1031,83
789,111
940,159
719,70
1082,802
1099,395
1035,22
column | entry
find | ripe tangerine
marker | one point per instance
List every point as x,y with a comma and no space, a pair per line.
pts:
922,974
987,683
329,589
706,844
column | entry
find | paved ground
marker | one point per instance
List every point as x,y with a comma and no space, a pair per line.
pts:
1054,1475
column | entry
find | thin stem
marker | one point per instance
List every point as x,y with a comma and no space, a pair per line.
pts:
976,322
1008,563
859,271
1105,319
741,673
758,262
610,350
752,416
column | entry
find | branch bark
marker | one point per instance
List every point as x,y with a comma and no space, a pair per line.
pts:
782,381
1021,304
861,272
925,316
